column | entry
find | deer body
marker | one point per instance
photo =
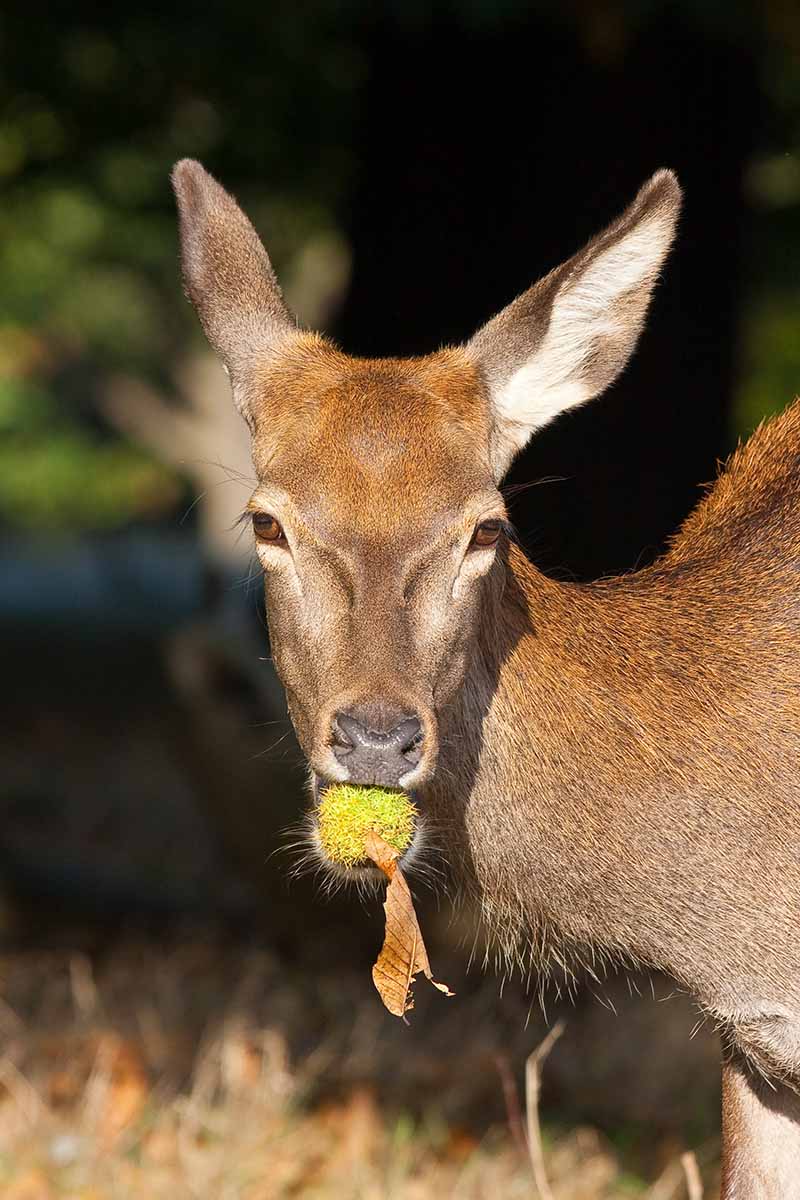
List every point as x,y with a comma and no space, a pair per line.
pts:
634,781
615,766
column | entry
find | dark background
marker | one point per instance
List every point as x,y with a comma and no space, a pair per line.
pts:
411,167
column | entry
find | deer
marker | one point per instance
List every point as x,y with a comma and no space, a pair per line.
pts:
616,763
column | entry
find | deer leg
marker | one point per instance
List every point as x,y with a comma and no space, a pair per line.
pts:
760,1136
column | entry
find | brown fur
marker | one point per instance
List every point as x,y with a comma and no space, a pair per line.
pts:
614,766
643,733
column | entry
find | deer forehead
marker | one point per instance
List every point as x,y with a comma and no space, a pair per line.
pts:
365,449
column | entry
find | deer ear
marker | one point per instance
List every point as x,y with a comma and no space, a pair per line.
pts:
569,336
227,273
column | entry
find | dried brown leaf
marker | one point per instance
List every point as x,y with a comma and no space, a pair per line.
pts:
403,955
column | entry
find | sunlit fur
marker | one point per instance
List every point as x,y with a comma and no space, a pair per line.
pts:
643,733
612,769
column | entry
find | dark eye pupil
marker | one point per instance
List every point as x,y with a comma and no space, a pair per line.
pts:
267,528
487,533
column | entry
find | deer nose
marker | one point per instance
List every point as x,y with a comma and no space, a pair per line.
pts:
378,745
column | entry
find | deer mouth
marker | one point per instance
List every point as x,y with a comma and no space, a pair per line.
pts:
361,874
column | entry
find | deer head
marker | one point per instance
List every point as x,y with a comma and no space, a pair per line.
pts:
378,519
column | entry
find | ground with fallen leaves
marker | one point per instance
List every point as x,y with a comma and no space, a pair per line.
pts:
190,1067
252,1058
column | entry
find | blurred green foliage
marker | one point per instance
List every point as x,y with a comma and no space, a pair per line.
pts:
56,475
94,110
93,113
770,346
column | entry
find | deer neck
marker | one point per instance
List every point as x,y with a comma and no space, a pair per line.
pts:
533,640
539,761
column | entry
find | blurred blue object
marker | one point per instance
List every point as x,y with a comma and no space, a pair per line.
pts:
139,581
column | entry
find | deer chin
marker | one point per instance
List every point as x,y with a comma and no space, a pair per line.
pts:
366,877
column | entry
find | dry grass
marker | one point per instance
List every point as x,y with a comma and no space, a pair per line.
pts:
200,1070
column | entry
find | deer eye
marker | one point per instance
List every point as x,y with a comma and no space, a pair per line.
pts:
487,533
268,528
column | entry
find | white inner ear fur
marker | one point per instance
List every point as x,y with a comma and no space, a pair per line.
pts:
584,313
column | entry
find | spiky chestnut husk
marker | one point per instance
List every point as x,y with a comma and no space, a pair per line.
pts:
346,814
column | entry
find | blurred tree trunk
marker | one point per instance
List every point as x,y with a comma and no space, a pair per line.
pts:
488,156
